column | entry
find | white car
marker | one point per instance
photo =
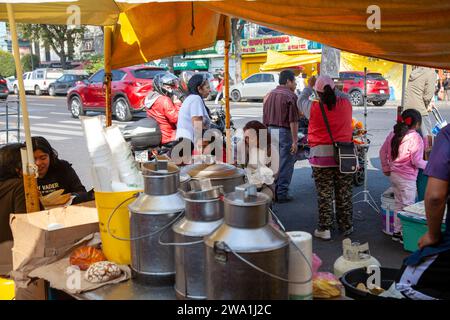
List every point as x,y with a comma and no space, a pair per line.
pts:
38,81
254,87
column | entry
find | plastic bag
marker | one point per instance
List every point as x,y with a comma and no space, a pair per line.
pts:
325,284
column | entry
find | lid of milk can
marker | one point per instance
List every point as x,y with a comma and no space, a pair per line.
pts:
213,171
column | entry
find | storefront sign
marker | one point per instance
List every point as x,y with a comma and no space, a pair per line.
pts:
280,43
179,65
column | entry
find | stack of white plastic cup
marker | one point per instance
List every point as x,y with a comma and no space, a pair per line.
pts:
123,158
99,151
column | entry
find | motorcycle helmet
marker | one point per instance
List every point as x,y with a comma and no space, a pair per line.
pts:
165,83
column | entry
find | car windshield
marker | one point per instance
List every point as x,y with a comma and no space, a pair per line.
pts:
147,73
375,76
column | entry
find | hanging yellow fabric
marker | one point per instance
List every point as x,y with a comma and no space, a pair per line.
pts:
277,60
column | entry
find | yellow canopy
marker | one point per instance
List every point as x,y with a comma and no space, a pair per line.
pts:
155,30
409,30
277,60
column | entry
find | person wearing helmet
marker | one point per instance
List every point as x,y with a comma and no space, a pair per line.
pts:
163,105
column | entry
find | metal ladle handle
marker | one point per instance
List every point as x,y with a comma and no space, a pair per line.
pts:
271,274
108,225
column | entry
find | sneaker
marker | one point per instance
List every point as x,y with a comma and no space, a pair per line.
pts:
284,199
397,237
348,232
324,235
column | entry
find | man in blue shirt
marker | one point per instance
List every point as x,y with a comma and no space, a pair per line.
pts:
426,273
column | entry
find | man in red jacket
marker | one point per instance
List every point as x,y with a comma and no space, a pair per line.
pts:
163,105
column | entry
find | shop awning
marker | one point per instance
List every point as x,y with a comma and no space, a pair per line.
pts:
277,60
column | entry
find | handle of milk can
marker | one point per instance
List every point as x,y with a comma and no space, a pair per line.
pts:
277,220
227,248
108,226
176,243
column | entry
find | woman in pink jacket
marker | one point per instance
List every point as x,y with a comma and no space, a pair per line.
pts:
401,158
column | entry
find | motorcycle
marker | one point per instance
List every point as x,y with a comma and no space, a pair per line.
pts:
144,135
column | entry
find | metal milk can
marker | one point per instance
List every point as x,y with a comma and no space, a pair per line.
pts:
246,255
203,215
153,212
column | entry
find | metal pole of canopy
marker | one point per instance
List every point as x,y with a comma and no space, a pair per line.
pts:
403,85
227,86
108,74
30,169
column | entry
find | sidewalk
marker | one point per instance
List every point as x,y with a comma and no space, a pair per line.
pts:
301,214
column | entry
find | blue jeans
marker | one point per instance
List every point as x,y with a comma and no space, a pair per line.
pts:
287,162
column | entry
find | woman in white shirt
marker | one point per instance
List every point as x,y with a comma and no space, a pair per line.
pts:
193,117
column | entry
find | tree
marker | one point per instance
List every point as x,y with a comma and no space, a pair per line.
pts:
61,38
28,64
95,63
237,26
7,66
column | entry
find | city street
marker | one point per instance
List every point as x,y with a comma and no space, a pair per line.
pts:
50,118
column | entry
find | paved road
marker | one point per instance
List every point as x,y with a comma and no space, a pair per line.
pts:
50,118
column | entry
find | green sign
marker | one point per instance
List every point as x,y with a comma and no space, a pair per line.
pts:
197,64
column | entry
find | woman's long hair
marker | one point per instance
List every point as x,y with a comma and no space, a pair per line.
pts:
40,143
198,80
10,161
328,97
407,121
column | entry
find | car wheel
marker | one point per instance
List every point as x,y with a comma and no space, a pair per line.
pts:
235,96
76,107
356,98
16,90
37,91
51,91
122,109
379,103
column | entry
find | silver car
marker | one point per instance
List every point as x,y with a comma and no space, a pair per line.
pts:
254,87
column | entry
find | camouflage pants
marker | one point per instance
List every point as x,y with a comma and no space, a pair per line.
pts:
331,183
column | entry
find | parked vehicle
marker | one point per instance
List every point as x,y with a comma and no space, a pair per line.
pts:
64,83
129,88
213,83
38,81
254,87
353,85
4,92
10,83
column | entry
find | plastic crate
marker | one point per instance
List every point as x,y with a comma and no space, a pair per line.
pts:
413,230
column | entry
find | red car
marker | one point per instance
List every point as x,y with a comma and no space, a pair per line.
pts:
353,85
129,88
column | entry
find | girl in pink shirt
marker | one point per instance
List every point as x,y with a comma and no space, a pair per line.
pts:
401,158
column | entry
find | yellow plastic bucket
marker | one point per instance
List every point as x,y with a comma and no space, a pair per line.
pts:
118,251
6,289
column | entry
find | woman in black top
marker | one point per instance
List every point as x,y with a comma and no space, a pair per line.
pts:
56,174
12,199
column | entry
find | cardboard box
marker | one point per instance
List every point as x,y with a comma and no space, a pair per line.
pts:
36,290
36,243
